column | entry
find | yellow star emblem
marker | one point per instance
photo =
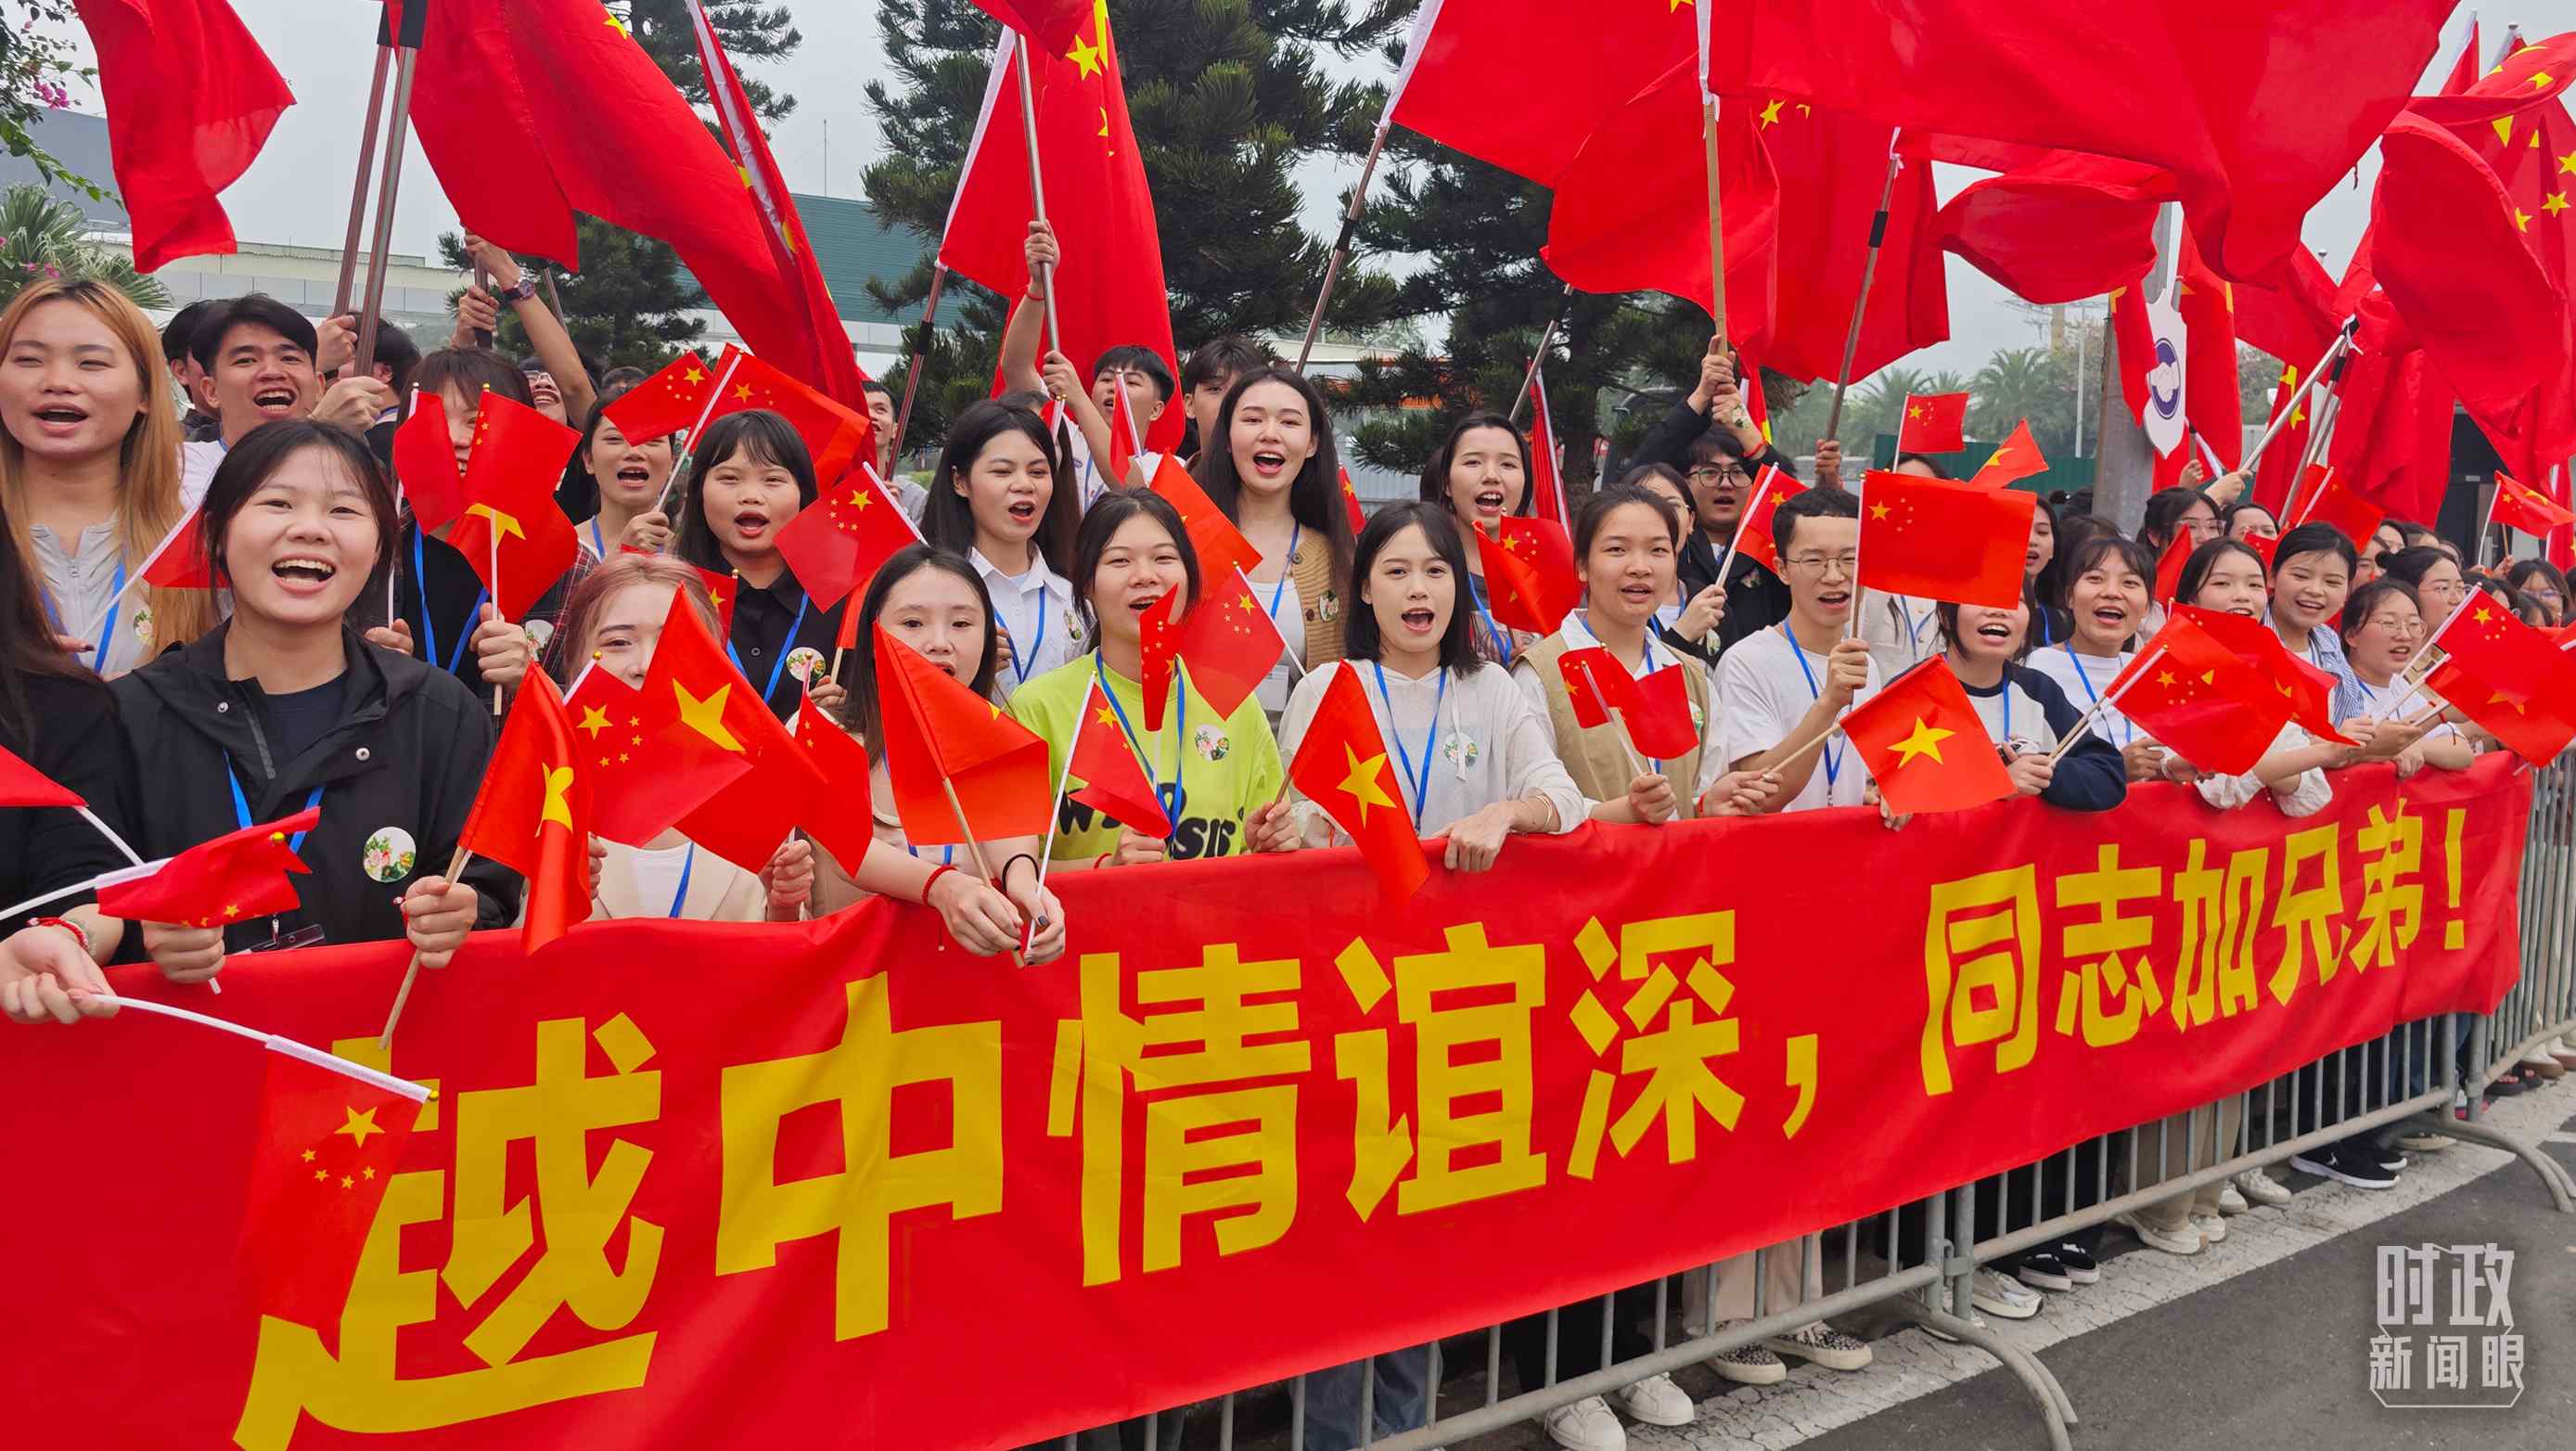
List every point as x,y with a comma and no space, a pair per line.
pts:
321,1176
2500,698
706,716
2554,203
1085,56
1105,716
2541,79
2521,219
2567,164
308,1156
1925,741
696,374
503,524
232,909
1361,785
1915,411
1878,511
593,720
1779,497
367,1173
1771,114
742,392
346,1181
2165,678
359,1125
1244,603
858,498
558,805
609,18
2484,614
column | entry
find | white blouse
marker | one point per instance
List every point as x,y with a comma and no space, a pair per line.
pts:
2086,679
1459,743
2306,795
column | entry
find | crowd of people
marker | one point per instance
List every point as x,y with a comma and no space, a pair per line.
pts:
349,661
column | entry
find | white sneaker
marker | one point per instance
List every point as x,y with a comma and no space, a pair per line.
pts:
2262,1188
1587,1425
1747,1365
2183,1241
1996,1295
2212,1227
2230,1201
1658,1402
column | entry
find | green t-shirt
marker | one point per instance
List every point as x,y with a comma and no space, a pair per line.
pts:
1226,768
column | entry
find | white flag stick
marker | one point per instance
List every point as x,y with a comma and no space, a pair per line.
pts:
417,1093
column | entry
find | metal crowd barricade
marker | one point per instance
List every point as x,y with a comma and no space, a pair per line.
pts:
1919,1260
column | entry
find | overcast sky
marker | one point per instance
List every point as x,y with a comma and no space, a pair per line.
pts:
298,191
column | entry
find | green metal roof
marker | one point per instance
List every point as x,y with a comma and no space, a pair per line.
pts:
854,246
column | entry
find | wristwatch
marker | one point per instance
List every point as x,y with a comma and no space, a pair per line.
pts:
519,291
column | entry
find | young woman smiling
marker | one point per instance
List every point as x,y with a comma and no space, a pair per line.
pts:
1277,475
2025,712
2312,572
284,707
998,505
1220,777
89,470
1480,475
2106,595
749,477
2227,576
2383,628
628,479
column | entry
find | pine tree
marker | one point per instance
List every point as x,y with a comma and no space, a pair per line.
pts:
1227,98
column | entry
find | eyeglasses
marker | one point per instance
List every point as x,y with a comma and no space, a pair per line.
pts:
1708,475
1820,563
2395,624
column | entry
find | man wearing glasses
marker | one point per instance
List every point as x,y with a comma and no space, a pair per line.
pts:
1784,686
1709,437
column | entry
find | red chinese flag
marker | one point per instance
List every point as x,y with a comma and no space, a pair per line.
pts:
1661,726
1351,505
1158,646
841,817
1220,546
2196,697
643,776
512,531
1126,440
1343,766
2310,689
2265,545
836,544
1934,423
2169,565
942,738
533,813
1051,23
663,404
1925,745
1597,684
2276,476
1832,170
1228,643
1530,582
722,589
2324,500
425,462
836,436
1114,782
1771,489
190,100
1938,539
2208,307
2527,509
2509,678
2017,458
215,883
179,561
694,694
1547,490
2060,226
2531,76
1109,288
329,1141
24,785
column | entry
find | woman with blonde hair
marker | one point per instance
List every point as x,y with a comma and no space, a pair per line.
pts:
89,470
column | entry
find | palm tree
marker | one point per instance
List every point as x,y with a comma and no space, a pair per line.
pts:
2015,384
42,238
1874,407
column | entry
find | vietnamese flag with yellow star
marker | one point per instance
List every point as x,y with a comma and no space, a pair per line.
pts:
1342,765
2509,678
511,529
1940,539
2200,700
245,873
1925,745
533,813
643,775
957,763
836,544
327,1148
2017,457
693,694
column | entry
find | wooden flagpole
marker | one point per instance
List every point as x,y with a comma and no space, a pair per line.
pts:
920,350
366,165
1037,180
1546,340
1868,274
1341,248
397,134
411,970
1716,218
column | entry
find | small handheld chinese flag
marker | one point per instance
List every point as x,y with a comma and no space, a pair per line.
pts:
663,404
1661,726
1547,489
1126,440
238,875
1220,546
1530,582
24,785
1771,489
843,764
939,738
1925,745
1342,766
2527,509
512,531
1351,504
1229,642
688,389
2169,566
2310,689
2325,500
1934,423
1595,685
2018,458
2199,700
1114,781
329,1142
643,776
836,544
1158,646
425,463
2509,678
1938,539
533,813
694,695
179,561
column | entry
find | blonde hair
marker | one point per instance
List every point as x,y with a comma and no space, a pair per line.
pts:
579,620
147,466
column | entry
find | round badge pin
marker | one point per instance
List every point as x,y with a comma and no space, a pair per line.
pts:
1211,743
143,623
804,663
390,854
539,632
1460,751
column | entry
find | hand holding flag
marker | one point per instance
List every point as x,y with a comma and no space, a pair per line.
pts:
1925,745
1343,766
533,813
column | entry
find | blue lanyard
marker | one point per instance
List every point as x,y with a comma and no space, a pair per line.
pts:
599,546
688,864
947,855
241,805
1833,754
2128,728
1419,779
107,630
1502,637
1037,642
785,645
1287,569
428,628
1169,795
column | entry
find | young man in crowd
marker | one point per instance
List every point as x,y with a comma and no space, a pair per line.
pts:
196,425
1209,375
263,360
1145,376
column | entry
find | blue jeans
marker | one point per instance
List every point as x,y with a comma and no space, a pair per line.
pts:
1397,1402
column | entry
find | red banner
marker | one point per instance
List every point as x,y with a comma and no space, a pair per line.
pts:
686,1184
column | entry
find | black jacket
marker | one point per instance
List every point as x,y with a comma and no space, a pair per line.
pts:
1756,599
453,605
408,755
71,738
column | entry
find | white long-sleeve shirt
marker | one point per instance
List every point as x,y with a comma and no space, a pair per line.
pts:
2306,795
1457,750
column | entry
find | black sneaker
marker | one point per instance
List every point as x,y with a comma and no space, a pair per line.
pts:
2041,1270
2079,1263
2344,1167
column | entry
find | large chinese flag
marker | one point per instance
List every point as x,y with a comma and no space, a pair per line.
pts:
1530,583
2063,227
327,1148
2200,700
836,544
1831,169
2258,111
1052,23
2322,498
1925,745
1108,289
1343,766
951,753
644,775
1113,780
190,100
512,531
2509,678
238,875
533,813
2208,307
1938,539
2276,476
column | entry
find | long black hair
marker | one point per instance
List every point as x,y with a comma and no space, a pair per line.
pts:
27,643
769,439
1360,637
948,519
1315,497
1101,525
860,677
1435,472
261,452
